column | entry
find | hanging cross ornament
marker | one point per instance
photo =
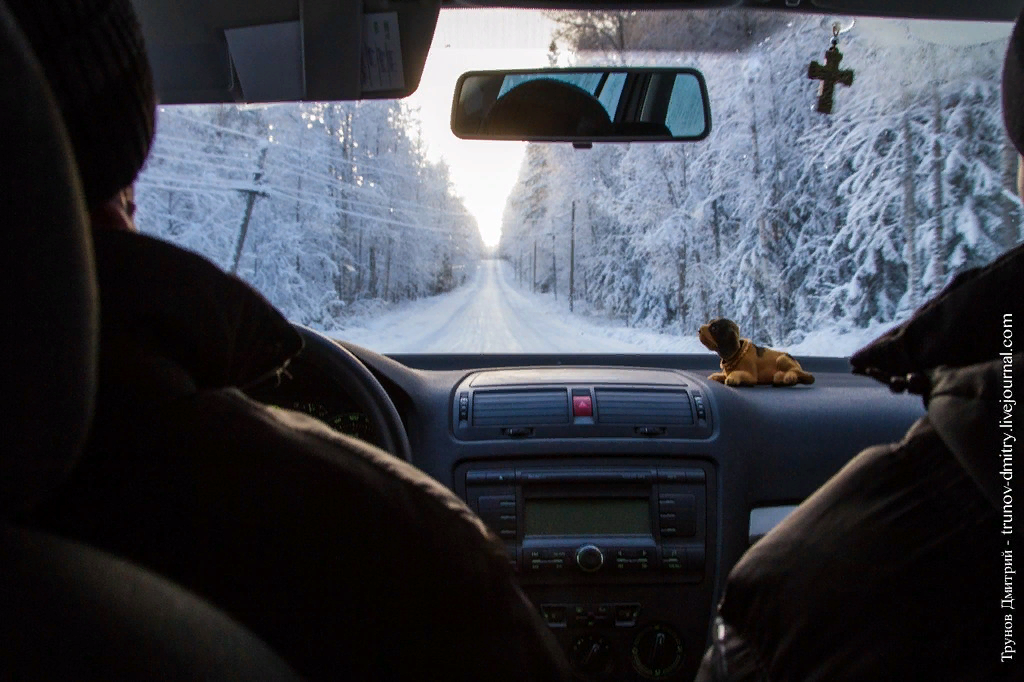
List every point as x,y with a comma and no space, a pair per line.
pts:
830,74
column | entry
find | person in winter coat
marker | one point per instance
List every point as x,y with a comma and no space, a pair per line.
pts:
901,566
348,562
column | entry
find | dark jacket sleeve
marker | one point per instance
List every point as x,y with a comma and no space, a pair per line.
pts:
348,562
889,571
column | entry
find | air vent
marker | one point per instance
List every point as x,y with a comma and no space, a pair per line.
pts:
520,408
633,407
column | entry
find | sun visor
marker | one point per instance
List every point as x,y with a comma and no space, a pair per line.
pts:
271,51
268,61
995,10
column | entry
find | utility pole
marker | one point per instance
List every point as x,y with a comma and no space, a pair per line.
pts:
554,268
533,289
572,257
387,272
243,231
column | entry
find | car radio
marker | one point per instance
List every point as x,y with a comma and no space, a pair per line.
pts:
621,524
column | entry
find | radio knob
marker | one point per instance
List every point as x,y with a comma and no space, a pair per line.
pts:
589,558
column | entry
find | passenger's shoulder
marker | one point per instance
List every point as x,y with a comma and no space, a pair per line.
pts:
358,470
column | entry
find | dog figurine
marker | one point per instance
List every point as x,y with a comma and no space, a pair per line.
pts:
747,364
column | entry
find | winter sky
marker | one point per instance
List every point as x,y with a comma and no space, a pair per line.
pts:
483,172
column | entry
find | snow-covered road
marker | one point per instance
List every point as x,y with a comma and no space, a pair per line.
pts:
490,314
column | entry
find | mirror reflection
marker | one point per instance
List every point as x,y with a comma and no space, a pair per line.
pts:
582,105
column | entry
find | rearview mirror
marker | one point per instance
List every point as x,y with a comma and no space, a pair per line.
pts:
582,105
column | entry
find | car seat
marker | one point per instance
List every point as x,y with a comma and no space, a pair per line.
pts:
69,611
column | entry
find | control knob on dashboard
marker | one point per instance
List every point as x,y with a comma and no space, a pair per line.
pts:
591,654
589,558
657,652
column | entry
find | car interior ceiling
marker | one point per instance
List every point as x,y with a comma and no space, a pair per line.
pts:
519,437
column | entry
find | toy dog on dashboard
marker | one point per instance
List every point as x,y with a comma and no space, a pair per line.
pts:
747,364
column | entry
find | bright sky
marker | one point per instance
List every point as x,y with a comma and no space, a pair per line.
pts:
483,172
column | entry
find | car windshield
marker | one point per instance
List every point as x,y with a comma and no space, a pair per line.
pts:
815,232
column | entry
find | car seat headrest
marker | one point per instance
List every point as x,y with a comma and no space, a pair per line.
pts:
1013,86
48,301
547,107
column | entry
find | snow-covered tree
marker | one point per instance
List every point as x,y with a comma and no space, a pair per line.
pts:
785,220
326,208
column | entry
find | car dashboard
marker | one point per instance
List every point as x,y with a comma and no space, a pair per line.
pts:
305,391
624,488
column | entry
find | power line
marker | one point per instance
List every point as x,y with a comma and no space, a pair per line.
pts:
300,169
304,152
245,185
273,192
328,181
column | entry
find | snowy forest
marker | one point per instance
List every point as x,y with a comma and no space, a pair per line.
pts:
785,220
331,210
798,225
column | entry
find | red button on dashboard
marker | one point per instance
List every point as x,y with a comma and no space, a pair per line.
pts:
582,406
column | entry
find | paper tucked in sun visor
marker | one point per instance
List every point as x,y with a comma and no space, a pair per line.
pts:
382,67
268,61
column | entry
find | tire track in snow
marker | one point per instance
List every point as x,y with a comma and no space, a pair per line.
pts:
486,316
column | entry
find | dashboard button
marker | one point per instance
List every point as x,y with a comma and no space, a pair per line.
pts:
545,565
678,476
499,522
582,406
677,503
497,503
555,615
632,565
582,617
507,476
672,475
673,558
475,477
626,615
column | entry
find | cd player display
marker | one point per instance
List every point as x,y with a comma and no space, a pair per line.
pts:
582,516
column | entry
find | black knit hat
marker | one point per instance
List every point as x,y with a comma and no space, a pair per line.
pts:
1013,86
95,60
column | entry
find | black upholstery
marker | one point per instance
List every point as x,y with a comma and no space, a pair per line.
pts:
68,611
48,308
